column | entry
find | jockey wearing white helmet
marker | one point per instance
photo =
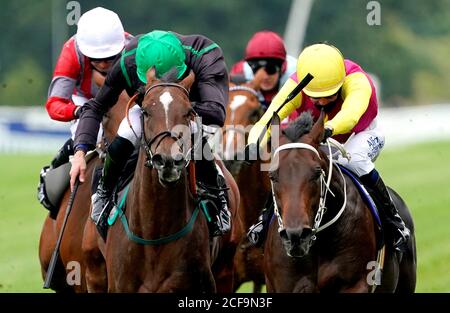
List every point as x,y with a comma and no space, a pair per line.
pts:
84,57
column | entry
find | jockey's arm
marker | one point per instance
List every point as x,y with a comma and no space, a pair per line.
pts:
67,70
277,101
356,92
211,96
91,116
92,112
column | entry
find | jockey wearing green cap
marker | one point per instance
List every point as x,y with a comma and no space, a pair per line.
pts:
166,52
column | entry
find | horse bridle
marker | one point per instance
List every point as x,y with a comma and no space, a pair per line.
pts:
324,187
158,138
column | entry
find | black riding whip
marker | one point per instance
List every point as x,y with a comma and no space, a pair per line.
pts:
302,84
55,254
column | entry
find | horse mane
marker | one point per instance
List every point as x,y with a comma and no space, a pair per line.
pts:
302,125
170,76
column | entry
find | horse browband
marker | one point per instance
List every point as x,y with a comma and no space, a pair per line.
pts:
251,90
165,85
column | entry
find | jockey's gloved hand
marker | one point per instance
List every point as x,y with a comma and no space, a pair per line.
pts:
328,132
251,153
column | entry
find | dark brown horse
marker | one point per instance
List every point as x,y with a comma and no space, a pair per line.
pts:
174,252
72,261
243,110
323,236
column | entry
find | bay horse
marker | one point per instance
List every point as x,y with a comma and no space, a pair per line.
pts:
72,259
323,237
165,245
243,110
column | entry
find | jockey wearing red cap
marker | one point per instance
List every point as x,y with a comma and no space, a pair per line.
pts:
266,52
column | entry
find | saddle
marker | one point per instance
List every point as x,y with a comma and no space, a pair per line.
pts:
54,183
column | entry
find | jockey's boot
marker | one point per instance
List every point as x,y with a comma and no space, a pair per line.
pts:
393,222
118,153
61,157
257,232
213,192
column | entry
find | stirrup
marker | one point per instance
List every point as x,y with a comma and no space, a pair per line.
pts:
254,233
401,244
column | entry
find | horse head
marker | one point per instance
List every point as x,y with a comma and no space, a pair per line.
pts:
243,110
297,173
166,132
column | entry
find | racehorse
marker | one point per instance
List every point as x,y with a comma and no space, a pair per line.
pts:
162,243
323,236
71,264
243,110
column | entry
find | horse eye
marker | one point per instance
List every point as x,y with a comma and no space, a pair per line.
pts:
145,112
254,116
317,173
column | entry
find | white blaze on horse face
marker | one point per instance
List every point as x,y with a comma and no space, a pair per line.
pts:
166,99
236,103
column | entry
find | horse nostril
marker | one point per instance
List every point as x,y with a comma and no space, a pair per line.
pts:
179,161
306,233
296,235
158,161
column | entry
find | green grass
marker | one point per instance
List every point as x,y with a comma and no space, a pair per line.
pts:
419,173
21,219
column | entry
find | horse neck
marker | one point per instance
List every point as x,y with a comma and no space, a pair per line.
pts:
256,185
154,209
352,211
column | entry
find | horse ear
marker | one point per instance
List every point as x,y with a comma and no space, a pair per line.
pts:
275,119
151,76
316,132
188,81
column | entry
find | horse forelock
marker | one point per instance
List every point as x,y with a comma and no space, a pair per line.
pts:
171,76
301,126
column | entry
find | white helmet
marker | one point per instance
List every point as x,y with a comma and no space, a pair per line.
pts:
100,34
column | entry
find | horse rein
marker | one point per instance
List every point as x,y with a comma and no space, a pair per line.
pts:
324,188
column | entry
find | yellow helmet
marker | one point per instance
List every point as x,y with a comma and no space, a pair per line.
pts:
326,64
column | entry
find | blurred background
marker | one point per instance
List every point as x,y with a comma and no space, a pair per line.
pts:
405,48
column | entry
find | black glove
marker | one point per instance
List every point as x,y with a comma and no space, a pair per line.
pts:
327,134
251,153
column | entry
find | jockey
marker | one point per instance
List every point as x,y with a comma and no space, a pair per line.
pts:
266,52
165,51
347,95
89,54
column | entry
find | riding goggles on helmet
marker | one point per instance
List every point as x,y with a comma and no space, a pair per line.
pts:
109,59
269,65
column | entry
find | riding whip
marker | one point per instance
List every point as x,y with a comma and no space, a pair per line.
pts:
302,84
55,254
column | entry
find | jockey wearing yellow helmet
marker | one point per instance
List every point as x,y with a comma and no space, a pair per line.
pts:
167,53
347,95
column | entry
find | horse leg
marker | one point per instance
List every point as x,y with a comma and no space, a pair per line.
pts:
257,287
407,269
47,244
96,276
360,286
